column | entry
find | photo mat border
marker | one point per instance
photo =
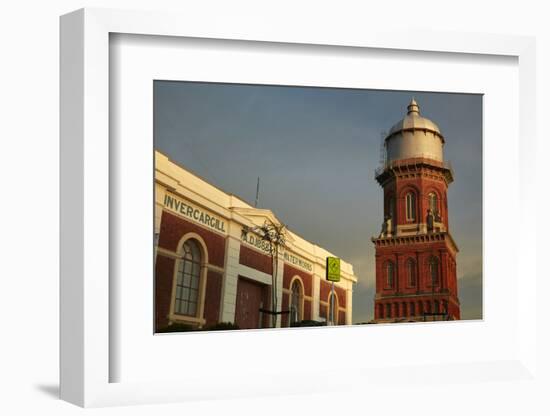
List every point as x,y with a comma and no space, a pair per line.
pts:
150,58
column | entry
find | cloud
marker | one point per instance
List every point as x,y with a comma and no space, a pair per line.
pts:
470,294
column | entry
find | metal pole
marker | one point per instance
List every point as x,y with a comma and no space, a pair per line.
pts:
333,303
275,258
257,193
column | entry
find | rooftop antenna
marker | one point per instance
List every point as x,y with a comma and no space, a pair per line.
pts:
382,160
257,193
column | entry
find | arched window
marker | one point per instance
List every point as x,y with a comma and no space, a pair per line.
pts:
388,310
391,208
333,309
295,302
432,202
188,279
433,267
411,272
403,309
390,274
412,312
410,205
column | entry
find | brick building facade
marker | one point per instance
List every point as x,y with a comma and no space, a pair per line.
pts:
415,253
210,268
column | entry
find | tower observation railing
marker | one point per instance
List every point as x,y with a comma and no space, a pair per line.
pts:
417,160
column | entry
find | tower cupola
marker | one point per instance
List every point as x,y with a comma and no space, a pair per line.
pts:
414,136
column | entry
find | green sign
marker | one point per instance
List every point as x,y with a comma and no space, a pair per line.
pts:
333,269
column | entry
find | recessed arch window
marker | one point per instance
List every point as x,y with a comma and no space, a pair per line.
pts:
388,310
411,272
432,202
390,274
433,268
188,279
410,206
412,311
391,207
295,302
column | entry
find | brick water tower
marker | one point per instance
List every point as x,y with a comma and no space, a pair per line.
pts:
415,253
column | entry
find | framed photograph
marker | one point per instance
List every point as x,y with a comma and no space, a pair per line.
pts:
374,254
291,208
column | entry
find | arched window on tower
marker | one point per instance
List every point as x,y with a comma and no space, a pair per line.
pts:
410,206
411,272
390,274
391,208
188,279
432,203
433,268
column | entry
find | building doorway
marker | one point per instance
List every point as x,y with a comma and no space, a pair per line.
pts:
250,296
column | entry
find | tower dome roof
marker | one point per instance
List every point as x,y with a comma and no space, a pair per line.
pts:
414,121
414,137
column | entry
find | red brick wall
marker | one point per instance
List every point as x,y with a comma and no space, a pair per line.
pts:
290,272
251,258
164,273
284,307
212,298
323,311
307,309
341,318
421,254
401,307
267,319
173,228
389,193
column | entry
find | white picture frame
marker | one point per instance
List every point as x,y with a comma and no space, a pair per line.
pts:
86,354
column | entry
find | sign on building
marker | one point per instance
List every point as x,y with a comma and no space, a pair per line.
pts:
333,269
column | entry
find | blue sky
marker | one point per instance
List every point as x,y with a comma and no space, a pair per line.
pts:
315,151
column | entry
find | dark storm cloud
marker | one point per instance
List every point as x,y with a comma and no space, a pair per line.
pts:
315,150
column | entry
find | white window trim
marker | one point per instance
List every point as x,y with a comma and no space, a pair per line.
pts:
199,317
